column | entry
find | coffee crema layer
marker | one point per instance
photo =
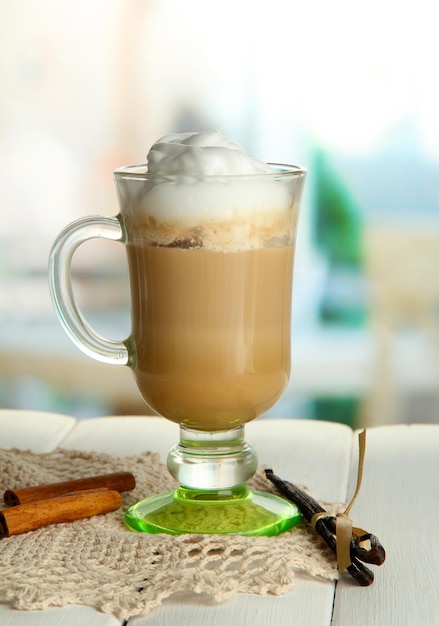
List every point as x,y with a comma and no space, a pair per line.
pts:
241,234
225,216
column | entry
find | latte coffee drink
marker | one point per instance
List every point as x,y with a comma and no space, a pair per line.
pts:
210,234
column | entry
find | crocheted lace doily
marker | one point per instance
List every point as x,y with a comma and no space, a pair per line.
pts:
97,562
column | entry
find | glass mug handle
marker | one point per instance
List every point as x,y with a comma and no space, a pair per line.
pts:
60,259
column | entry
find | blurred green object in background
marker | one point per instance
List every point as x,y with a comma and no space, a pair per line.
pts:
338,234
338,224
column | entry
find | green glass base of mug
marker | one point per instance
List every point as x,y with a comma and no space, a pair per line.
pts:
235,511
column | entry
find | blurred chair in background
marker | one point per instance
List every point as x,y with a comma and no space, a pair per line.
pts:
401,264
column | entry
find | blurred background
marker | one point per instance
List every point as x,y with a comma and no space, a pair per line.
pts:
346,90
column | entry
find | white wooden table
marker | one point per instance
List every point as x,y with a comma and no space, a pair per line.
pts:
399,502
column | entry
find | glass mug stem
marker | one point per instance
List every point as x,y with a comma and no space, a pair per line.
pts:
212,460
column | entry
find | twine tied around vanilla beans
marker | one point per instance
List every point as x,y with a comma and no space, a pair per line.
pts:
345,530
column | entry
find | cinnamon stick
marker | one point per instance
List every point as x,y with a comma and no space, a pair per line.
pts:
67,508
118,481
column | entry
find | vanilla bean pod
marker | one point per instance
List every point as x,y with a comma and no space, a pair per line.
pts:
310,507
366,548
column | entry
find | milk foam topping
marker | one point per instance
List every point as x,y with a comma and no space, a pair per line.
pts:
202,154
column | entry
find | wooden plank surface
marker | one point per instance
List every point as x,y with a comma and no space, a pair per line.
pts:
399,502
300,607
33,430
69,616
123,435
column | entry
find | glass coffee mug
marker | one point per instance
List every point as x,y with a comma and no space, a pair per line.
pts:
210,264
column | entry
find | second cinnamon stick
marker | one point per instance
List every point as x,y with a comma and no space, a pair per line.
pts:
118,481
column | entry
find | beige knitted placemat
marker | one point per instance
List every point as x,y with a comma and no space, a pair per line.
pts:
99,563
